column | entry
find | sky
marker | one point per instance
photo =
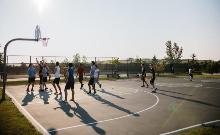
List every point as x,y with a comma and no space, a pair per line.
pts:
112,28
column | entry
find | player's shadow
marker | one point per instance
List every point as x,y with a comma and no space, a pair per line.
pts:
28,98
87,119
64,106
190,100
104,101
174,92
109,93
45,95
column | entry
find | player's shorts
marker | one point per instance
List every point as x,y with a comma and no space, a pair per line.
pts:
69,84
80,78
152,80
96,80
91,81
44,79
56,80
31,79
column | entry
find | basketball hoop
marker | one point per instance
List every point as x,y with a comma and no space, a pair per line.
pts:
44,41
38,36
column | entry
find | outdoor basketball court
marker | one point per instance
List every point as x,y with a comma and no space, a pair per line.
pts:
122,107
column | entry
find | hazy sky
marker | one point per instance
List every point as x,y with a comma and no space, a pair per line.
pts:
123,28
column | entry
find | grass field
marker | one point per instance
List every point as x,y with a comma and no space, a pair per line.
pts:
12,122
213,129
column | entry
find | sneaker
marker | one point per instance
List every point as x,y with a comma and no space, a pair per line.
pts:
100,85
94,92
154,91
72,100
147,85
142,86
65,101
89,92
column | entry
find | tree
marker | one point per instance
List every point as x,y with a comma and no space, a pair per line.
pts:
84,59
193,56
160,67
138,60
212,67
76,58
115,62
174,54
63,66
1,58
193,63
154,60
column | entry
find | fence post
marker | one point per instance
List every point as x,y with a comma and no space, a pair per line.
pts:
30,59
127,70
112,67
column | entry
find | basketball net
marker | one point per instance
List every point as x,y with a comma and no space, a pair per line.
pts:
44,41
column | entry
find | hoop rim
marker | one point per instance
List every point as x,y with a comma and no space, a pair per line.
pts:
43,39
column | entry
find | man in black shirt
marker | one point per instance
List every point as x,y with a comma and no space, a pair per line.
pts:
152,78
143,75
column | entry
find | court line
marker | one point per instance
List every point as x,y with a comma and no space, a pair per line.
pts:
117,118
193,126
36,124
212,88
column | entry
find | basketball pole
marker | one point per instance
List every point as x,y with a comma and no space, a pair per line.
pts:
4,64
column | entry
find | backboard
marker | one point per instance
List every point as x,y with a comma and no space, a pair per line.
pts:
37,33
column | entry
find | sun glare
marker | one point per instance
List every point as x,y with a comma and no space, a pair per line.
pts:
41,5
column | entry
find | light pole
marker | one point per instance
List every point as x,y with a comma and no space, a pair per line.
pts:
4,63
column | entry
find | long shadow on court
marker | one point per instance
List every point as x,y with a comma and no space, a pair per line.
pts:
104,101
28,98
65,106
45,95
87,119
174,92
190,100
109,93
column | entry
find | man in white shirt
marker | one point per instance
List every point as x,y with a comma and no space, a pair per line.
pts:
96,76
56,80
190,74
91,80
